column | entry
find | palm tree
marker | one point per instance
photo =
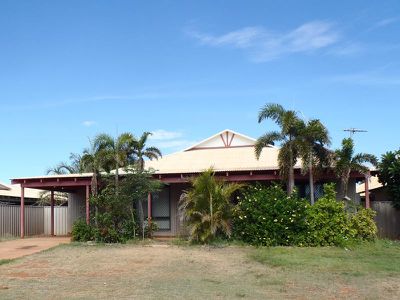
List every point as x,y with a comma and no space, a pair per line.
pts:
117,152
67,168
346,162
93,160
313,151
207,207
289,136
141,152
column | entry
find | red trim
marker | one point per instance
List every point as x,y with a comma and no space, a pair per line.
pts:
87,205
52,213
22,213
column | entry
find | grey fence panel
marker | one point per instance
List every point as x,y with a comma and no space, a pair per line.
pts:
387,219
10,220
60,220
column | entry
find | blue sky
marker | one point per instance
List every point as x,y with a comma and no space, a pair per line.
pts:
188,69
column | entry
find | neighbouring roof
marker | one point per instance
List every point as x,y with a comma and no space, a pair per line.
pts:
14,190
224,151
3,187
373,185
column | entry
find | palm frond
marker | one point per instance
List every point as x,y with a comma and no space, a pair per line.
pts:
271,111
268,139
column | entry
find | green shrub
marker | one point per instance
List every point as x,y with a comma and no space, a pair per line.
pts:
328,223
267,216
81,232
363,224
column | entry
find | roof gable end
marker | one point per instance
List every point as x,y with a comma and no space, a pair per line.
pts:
224,139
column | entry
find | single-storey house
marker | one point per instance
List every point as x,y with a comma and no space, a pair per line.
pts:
10,194
229,153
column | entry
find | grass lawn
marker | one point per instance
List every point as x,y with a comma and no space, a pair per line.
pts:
163,270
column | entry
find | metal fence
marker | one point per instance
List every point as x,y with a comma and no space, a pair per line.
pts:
37,220
387,219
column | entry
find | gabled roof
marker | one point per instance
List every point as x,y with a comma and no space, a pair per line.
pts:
224,139
224,151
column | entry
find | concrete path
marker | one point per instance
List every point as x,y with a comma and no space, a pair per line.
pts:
22,247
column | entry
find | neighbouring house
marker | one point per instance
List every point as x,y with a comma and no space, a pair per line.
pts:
229,153
10,194
387,217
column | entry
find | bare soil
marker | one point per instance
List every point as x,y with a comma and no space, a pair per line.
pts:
165,271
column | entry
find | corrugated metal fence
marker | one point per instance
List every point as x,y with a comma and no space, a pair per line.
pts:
60,220
387,219
36,220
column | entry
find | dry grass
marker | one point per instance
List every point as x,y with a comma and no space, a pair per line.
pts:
162,271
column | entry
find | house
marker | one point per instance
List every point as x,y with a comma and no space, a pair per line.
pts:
229,153
10,194
377,192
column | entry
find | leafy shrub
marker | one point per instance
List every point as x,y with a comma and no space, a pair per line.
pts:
363,224
328,223
81,232
267,216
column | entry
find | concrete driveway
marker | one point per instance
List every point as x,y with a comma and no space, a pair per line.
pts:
22,247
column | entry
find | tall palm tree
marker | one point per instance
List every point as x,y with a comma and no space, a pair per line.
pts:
117,152
346,162
93,160
141,152
289,137
313,151
207,207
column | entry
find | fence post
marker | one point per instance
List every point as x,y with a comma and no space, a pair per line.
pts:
22,213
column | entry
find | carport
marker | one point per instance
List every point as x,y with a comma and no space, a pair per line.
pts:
70,183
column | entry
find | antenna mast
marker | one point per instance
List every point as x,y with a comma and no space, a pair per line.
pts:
352,131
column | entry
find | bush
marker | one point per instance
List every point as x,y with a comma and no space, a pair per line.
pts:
328,223
267,216
363,224
81,232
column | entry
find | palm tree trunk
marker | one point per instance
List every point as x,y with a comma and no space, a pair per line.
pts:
116,177
311,182
94,193
211,214
290,186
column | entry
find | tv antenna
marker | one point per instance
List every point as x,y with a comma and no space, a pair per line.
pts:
352,131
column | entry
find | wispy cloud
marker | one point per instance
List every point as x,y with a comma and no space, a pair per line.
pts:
170,140
265,45
89,123
369,78
386,22
161,134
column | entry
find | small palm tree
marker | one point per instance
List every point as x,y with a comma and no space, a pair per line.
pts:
93,160
313,151
346,162
289,137
117,152
207,207
67,168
